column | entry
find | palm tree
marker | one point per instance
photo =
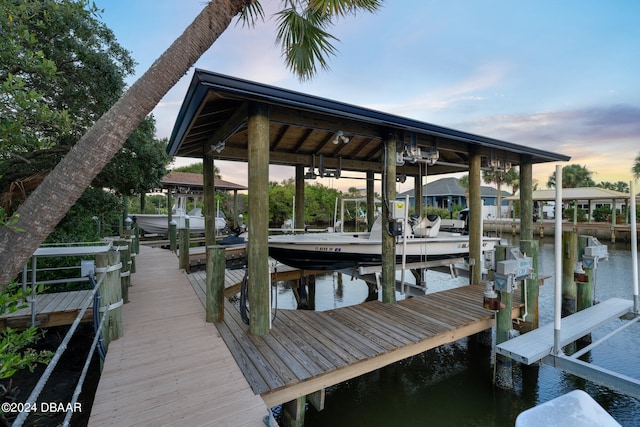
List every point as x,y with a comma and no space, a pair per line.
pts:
573,176
305,43
636,167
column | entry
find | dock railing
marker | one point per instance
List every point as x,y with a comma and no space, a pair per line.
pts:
107,269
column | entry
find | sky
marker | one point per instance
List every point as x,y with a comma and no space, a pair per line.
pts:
561,76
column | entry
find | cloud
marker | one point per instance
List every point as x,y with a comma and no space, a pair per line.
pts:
605,139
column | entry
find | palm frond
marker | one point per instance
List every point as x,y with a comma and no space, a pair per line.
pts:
304,41
344,7
250,14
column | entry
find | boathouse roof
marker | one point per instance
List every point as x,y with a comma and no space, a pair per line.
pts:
194,182
580,193
214,114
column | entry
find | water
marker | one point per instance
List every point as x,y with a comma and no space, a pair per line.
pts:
452,385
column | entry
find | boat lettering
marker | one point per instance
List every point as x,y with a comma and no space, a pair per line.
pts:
327,249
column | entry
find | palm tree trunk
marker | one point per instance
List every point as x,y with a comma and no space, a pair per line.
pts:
46,206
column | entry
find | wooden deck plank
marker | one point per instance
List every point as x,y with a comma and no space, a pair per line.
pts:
170,366
533,346
332,346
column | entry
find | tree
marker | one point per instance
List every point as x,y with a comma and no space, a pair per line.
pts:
620,186
61,69
573,176
636,167
499,177
198,168
63,186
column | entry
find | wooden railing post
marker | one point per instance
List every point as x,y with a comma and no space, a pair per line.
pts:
184,249
215,283
125,273
110,295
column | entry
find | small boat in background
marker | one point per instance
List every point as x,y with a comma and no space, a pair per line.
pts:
159,223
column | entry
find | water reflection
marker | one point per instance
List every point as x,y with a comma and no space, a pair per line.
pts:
452,385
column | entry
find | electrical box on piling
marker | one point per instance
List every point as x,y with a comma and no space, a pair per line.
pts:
594,252
511,271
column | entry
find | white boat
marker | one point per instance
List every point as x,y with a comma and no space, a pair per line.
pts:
159,223
334,251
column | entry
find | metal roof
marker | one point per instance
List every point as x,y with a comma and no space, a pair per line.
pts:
214,115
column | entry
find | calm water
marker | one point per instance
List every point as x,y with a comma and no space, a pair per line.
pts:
452,385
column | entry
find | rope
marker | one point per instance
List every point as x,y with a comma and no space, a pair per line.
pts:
109,268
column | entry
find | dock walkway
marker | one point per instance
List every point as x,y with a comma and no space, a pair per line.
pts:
307,351
170,367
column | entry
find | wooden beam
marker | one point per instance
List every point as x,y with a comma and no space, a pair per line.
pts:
317,399
230,127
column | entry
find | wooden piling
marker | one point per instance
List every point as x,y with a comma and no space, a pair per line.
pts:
570,256
475,214
526,197
173,231
258,250
388,241
530,248
584,289
215,283
110,295
184,250
503,369
293,412
210,213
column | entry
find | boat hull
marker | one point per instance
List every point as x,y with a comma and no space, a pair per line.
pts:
332,252
158,223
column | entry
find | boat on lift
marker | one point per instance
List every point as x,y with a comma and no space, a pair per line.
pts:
422,240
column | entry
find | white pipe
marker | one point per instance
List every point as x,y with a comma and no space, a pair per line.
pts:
634,246
557,300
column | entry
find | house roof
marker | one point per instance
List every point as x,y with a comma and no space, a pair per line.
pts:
302,130
582,193
451,187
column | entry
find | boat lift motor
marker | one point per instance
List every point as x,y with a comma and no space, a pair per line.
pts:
397,212
593,252
511,271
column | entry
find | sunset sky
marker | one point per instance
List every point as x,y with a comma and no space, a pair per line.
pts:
562,76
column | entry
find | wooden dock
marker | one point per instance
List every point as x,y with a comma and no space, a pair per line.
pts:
537,344
170,367
307,351
54,309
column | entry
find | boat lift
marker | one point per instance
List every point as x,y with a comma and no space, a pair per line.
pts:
542,345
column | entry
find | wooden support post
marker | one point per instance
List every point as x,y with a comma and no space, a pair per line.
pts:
125,273
136,249
388,241
293,412
311,288
371,205
184,249
503,371
531,291
317,399
173,231
584,287
526,197
613,221
570,254
208,178
214,305
299,213
258,250
475,215
169,207
110,295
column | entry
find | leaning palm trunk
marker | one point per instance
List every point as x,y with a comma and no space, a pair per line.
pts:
48,204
